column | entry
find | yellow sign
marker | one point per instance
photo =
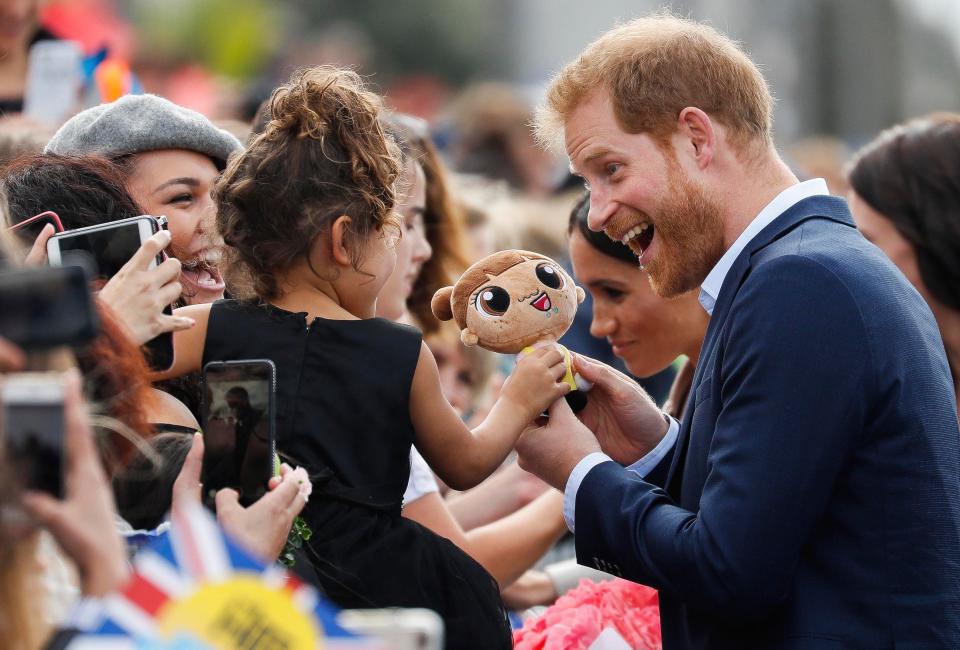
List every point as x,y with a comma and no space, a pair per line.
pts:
242,613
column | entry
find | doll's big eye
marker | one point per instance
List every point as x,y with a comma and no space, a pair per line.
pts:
493,301
549,275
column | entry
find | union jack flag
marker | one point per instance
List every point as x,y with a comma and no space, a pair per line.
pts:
174,566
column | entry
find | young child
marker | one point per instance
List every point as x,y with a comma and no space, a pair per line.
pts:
307,213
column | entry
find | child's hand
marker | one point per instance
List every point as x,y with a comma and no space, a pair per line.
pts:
536,382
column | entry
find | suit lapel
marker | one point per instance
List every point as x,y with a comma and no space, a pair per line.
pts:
828,207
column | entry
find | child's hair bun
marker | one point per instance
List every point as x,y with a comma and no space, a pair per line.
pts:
440,305
315,101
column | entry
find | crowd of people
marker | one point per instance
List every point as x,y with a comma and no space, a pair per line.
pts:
794,484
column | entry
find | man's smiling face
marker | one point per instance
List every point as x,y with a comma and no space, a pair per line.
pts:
639,195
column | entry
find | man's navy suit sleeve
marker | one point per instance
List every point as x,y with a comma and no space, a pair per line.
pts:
794,372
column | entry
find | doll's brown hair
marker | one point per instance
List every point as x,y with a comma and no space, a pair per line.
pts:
451,302
323,154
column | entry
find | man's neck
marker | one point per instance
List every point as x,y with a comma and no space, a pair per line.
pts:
750,190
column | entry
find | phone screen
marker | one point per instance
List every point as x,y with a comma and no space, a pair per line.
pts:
46,307
33,428
102,252
238,428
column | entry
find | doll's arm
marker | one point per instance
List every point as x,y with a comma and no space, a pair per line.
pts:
188,344
462,458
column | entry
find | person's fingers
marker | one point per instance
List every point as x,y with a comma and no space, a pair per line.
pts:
148,251
38,252
11,357
296,506
175,323
274,482
549,354
43,508
285,493
595,372
228,500
560,389
187,485
169,293
166,272
559,370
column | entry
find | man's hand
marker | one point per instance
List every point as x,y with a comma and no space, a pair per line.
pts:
261,528
137,294
84,522
552,450
622,416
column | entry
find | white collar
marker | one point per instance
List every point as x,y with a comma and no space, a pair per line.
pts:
785,200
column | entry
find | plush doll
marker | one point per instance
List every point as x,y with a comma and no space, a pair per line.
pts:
510,300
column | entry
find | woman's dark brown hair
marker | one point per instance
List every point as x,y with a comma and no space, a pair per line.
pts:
323,154
82,190
910,174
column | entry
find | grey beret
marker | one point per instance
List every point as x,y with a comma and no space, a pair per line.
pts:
138,123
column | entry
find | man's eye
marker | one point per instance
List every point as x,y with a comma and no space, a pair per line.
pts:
613,168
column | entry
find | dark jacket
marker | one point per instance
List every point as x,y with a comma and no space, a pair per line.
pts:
813,497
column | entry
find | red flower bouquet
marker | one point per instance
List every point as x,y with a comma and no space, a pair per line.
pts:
580,615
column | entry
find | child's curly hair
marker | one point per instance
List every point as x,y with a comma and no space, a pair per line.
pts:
323,154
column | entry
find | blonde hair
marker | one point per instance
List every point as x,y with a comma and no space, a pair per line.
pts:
653,68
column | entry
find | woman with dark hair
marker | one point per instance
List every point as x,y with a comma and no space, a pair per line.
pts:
646,331
170,157
905,198
85,191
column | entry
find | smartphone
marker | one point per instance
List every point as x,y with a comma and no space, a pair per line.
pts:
29,229
102,249
54,81
33,429
42,308
237,417
398,629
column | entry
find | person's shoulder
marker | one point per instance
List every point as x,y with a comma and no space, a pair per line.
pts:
393,328
827,256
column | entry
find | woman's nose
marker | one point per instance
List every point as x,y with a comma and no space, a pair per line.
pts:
602,325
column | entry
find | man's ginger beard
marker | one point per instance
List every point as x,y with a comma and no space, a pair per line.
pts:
689,233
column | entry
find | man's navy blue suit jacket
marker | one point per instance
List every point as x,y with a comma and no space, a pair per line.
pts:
813,497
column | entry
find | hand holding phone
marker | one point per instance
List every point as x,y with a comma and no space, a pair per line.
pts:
140,296
238,428
84,522
36,231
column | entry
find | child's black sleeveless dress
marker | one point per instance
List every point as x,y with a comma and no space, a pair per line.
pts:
343,391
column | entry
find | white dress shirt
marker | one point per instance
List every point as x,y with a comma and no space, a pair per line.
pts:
709,291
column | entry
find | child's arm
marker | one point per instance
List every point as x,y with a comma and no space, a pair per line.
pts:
460,457
188,344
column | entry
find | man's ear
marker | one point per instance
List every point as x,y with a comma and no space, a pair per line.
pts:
699,139
581,295
338,240
468,337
